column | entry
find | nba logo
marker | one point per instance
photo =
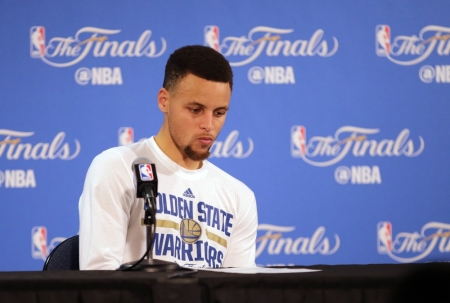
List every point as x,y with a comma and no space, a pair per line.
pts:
384,235
212,36
146,172
383,40
298,141
126,136
37,41
39,242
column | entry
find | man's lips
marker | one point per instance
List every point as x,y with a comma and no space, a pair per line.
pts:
205,140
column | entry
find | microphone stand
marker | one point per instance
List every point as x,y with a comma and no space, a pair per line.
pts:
147,263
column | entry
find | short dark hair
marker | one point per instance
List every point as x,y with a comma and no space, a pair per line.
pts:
201,61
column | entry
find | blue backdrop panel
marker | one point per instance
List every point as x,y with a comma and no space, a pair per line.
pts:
338,118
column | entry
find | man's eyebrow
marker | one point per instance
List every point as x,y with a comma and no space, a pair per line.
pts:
194,103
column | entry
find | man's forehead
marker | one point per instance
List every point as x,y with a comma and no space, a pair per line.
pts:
190,80
201,90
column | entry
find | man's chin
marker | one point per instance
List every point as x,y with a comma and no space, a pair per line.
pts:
197,155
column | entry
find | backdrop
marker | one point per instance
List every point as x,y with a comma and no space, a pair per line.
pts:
338,119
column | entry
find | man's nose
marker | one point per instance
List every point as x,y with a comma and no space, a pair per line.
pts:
207,122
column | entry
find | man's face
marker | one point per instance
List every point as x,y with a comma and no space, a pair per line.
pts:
196,113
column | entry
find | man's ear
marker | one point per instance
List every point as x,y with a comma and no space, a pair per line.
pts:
163,100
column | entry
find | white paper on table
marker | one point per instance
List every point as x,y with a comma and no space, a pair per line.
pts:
259,270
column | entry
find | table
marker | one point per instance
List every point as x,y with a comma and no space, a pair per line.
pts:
334,283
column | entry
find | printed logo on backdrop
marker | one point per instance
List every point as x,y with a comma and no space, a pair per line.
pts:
410,50
99,76
271,75
126,136
212,37
438,74
353,141
232,146
13,146
68,51
407,247
39,248
98,42
274,242
37,41
270,42
17,178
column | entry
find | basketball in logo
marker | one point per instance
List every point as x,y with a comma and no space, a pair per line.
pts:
190,231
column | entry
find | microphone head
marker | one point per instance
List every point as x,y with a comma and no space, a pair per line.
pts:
140,160
145,177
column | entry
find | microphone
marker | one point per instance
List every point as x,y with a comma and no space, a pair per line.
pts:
146,185
145,178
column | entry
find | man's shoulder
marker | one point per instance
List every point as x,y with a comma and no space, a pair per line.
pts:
126,153
228,180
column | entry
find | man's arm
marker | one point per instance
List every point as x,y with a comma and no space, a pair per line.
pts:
242,246
105,207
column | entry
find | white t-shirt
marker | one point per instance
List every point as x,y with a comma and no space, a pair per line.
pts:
205,217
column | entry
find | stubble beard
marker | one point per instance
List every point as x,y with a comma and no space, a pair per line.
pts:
187,150
195,156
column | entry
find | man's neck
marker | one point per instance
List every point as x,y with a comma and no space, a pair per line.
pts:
168,147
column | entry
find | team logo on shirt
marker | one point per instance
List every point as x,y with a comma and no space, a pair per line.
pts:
190,231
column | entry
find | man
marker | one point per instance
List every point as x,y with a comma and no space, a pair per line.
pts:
205,217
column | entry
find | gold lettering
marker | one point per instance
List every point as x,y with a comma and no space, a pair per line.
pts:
358,138
274,38
275,236
443,38
436,235
99,39
15,141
